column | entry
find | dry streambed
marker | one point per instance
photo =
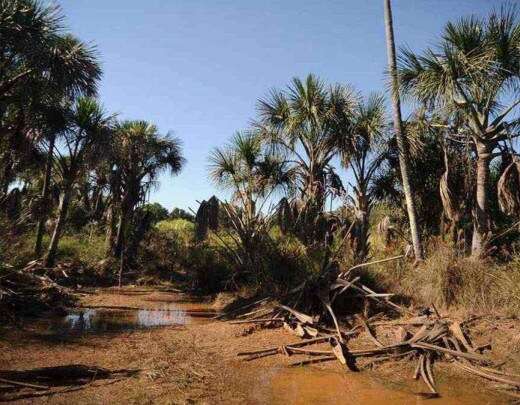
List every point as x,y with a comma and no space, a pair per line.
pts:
160,346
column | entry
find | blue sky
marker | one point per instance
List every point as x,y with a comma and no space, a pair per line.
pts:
197,67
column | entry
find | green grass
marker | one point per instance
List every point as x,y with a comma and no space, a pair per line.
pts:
88,249
81,246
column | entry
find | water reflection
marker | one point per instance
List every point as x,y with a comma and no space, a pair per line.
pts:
101,320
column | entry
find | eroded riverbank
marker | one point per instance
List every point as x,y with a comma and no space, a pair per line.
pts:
185,358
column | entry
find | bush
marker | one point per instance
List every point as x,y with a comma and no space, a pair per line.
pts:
180,229
89,248
170,251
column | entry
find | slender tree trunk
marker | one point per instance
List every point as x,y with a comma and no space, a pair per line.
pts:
121,268
40,228
118,246
138,233
111,231
362,215
115,205
482,223
98,204
399,134
7,173
124,219
62,216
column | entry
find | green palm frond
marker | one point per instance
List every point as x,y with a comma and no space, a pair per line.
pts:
73,66
475,61
223,167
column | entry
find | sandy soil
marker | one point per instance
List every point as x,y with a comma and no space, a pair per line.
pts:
197,363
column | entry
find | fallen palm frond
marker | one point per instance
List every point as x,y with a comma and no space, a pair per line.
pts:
427,336
27,290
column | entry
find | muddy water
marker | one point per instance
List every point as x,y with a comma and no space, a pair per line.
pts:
156,309
99,320
314,386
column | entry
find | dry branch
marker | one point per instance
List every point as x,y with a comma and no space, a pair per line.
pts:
312,361
456,353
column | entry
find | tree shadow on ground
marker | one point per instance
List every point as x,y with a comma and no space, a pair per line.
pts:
46,381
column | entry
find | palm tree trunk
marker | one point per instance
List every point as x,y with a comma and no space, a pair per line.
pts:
56,235
7,173
362,215
399,134
111,231
40,228
115,205
482,225
118,246
124,219
139,231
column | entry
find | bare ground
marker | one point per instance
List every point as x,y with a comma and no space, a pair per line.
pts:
197,363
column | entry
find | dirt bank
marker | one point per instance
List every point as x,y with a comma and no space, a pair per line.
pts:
196,362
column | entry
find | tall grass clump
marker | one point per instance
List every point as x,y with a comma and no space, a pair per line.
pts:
453,282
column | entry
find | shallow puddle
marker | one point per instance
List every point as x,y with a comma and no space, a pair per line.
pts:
120,318
100,320
314,386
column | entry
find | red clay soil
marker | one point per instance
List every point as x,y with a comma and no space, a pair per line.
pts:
197,363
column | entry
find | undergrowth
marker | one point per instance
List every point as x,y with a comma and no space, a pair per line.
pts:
451,281
170,252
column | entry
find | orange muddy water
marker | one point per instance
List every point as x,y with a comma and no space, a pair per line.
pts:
314,386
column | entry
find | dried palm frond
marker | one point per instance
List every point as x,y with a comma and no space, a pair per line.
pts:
449,199
449,202
284,215
213,213
509,189
201,221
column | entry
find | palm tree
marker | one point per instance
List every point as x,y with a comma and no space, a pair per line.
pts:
363,151
305,123
138,155
75,71
399,133
468,76
253,173
28,29
88,130
36,54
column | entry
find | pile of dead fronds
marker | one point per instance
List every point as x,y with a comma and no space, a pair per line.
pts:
316,312
25,292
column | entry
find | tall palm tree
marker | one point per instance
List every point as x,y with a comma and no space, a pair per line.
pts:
399,133
472,76
87,132
74,71
305,123
139,154
54,123
36,54
363,150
